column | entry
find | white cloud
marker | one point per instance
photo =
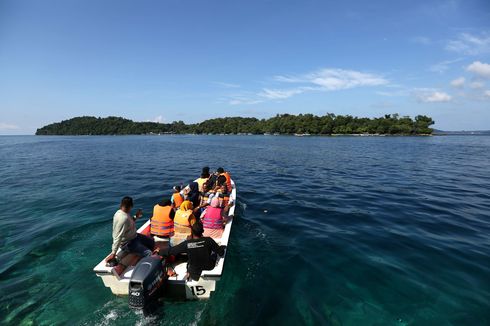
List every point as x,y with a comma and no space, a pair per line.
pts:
442,66
479,68
428,95
274,94
458,82
469,44
288,79
487,93
8,126
336,79
323,80
477,85
226,85
238,100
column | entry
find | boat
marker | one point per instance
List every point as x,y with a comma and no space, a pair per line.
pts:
176,286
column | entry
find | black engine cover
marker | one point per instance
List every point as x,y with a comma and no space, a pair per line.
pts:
147,278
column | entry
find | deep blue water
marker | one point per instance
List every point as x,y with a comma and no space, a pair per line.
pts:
329,230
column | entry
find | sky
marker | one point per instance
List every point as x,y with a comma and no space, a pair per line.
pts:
171,60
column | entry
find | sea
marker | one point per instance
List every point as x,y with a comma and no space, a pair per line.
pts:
328,230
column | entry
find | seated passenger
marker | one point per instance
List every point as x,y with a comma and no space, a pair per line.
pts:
203,178
193,194
162,222
226,174
177,197
207,191
213,220
183,220
201,251
124,232
220,191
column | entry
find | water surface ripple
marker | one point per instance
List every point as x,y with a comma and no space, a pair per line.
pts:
329,230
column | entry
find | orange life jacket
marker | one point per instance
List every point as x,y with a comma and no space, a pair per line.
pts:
161,223
228,180
224,199
177,199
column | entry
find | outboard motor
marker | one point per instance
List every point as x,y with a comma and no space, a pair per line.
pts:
147,278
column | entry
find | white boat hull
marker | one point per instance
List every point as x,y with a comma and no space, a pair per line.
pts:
176,286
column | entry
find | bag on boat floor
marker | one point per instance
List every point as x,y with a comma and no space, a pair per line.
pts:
148,276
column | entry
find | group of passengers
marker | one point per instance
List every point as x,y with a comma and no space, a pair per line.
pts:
197,212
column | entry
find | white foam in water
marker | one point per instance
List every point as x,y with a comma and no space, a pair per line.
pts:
198,317
111,316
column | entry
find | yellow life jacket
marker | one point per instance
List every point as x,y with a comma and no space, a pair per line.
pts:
161,223
204,198
182,226
182,218
201,182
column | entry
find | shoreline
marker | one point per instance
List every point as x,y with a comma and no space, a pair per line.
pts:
283,135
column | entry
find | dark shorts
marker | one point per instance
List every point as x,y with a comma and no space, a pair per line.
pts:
141,245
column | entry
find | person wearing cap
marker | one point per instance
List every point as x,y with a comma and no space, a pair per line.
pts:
201,251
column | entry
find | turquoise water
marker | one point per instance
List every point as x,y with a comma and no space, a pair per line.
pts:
329,230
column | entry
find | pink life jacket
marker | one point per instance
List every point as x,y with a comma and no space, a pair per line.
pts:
212,218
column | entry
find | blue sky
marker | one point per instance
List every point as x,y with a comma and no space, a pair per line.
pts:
193,60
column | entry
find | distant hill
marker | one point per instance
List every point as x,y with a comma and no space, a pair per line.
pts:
390,124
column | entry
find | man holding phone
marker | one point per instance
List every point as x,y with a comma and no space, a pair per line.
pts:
124,233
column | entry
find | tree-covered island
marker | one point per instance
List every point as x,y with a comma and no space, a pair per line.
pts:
288,124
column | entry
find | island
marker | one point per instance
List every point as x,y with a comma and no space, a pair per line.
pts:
284,124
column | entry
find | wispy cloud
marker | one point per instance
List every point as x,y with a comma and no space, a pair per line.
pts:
274,94
458,82
336,79
470,44
244,99
477,85
487,93
8,126
428,95
480,69
323,80
226,85
442,66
